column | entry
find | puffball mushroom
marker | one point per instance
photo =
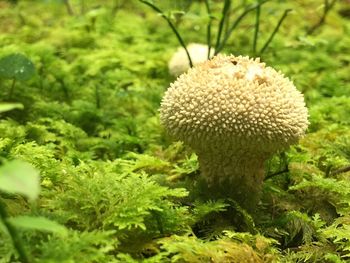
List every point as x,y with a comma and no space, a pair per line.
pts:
179,62
235,113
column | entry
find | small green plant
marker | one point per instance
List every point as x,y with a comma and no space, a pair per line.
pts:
16,67
17,177
20,178
221,38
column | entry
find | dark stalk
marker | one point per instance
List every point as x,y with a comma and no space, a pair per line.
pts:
12,88
68,7
341,170
64,89
179,38
257,25
97,96
207,4
269,176
236,23
248,220
225,10
275,31
41,74
117,6
328,170
82,7
158,221
227,21
327,7
16,240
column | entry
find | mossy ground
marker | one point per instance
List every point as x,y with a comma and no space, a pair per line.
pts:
125,191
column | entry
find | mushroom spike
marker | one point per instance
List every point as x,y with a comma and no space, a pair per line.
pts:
245,112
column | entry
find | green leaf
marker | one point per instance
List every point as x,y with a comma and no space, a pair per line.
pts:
16,66
18,177
38,223
10,106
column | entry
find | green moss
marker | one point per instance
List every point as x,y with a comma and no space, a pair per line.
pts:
112,176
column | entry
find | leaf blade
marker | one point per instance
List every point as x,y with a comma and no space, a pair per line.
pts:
16,66
38,223
10,106
18,177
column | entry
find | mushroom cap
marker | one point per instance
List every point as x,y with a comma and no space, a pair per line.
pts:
179,63
234,102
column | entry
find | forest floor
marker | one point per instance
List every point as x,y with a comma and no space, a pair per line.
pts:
116,188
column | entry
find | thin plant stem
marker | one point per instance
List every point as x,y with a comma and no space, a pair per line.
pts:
207,4
227,22
225,10
341,170
327,7
115,7
179,38
269,176
248,219
236,23
118,5
64,89
257,25
12,88
158,219
82,7
283,161
16,240
68,7
97,95
275,31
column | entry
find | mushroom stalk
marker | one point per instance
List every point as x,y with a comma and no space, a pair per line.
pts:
235,175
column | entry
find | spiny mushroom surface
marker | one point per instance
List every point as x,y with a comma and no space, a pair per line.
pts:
235,112
179,63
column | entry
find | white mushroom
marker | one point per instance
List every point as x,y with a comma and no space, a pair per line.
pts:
235,113
179,63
